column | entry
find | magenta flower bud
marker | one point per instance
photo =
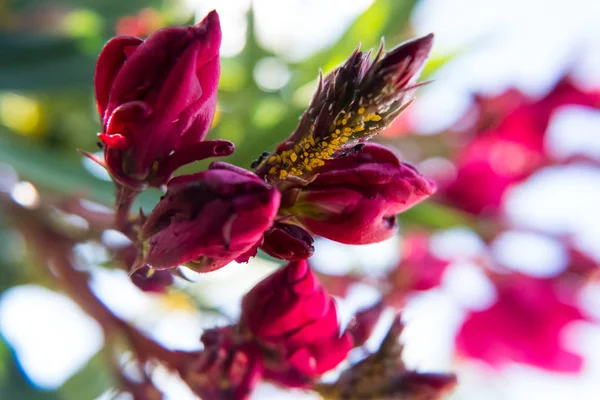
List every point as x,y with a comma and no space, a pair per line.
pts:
355,199
290,313
150,280
288,242
156,100
226,369
206,220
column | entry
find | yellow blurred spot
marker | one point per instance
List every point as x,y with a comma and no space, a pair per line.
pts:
216,116
21,114
82,23
177,301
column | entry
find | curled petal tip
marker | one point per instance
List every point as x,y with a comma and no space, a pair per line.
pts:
116,140
428,38
212,17
423,43
224,148
210,23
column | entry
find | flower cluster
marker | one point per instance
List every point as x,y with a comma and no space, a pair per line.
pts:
504,142
156,99
288,333
506,138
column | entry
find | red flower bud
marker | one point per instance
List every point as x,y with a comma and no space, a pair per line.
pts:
156,100
209,218
355,199
290,312
150,280
225,369
288,242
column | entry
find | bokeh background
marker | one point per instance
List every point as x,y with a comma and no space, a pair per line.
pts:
272,51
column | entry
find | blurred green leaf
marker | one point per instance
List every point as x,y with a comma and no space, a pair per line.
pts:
36,62
385,18
110,9
89,382
13,383
434,215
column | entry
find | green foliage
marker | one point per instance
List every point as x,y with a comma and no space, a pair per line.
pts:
90,382
13,383
40,63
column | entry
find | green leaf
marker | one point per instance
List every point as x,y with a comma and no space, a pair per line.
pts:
109,9
385,18
89,382
36,62
13,382
434,215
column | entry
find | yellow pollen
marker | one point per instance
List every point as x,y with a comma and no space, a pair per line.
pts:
372,117
312,152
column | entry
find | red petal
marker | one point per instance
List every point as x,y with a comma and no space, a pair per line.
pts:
116,140
110,61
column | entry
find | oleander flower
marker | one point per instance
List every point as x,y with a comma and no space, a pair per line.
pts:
508,134
355,199
486,169
288,242
156,99
226,369
208,219
524,325
295,320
